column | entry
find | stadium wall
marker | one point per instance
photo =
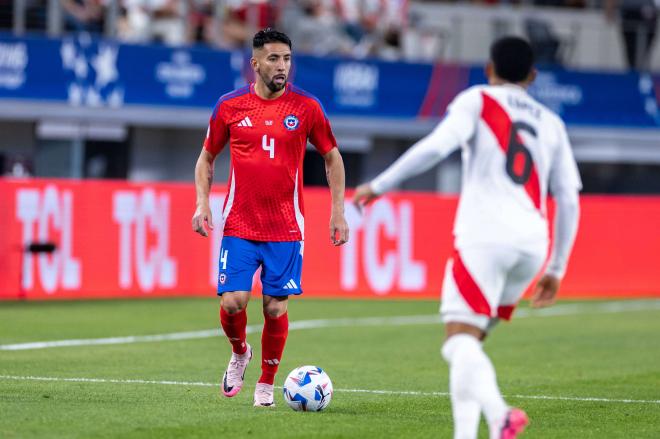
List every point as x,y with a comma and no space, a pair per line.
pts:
117,239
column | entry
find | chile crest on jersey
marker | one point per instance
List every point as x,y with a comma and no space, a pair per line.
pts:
291,122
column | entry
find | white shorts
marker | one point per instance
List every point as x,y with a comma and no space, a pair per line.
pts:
484,283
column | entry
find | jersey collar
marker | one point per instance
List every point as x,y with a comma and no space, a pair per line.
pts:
513,86
287,90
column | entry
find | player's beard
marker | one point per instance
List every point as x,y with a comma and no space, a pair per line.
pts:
272,86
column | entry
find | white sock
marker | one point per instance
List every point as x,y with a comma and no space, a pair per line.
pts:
466,414
472,382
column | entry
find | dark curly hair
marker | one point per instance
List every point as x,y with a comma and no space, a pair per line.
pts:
513,58
269,35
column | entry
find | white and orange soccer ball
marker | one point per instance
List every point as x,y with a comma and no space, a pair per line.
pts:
308,389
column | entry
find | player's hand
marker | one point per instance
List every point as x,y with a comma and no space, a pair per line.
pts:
202,215
545,291
338,229
363,196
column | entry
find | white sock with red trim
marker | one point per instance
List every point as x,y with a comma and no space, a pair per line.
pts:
472,383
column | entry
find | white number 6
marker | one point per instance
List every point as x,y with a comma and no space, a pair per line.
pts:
268,146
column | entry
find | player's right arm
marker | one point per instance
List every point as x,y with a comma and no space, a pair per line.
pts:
455,130
216,137
565,184
203,180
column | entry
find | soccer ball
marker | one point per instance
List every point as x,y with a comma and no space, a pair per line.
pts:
308,389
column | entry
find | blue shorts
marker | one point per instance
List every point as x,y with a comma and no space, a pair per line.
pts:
281,266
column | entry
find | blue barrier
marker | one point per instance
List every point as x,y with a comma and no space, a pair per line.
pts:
86,72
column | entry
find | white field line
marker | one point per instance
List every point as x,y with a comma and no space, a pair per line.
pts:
368,391
559,310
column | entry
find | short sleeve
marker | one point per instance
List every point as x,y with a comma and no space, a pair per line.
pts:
320,133
217,132
564,174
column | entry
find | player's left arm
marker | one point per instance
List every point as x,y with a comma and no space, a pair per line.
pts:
335,173
321,136
450,134
565,184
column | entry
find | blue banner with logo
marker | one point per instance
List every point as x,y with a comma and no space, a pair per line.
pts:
85,72
98,73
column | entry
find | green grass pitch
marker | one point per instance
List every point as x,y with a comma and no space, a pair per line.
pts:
585,350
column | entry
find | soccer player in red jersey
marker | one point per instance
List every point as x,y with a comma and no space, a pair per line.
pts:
267,124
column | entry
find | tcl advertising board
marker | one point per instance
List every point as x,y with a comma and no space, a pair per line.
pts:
117,239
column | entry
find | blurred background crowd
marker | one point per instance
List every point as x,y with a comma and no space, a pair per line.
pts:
387,29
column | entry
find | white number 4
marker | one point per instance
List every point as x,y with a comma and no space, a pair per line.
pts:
268,146
223,258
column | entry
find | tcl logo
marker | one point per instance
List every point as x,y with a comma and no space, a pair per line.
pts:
144,216
47,216
383,270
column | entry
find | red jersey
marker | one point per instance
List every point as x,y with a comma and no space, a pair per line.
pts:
267,141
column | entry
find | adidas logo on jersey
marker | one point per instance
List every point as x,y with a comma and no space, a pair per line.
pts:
245,122
291,285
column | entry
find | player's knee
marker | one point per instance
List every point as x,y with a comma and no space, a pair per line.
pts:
274,313
232,306
235,301
457,328
274,309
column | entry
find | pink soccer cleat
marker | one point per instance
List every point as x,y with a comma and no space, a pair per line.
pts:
232,380
263,395
514,424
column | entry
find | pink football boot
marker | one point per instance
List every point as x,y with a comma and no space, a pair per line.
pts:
514,424
232,380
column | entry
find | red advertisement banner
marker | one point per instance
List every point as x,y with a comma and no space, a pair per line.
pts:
117,239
